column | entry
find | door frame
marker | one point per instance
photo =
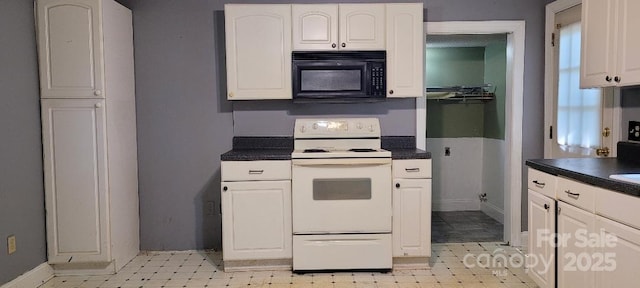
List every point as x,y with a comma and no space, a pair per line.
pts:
515,31
549,76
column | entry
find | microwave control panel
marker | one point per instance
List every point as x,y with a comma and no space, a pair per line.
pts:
378,79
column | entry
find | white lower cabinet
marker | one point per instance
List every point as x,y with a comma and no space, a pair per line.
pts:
75,159
411,208
575,253
621,258
598,243
256,210
541,256
256,220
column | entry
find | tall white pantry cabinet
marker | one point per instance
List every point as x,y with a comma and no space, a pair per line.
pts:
85,50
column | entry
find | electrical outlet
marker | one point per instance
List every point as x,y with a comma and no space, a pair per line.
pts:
634,130
11,244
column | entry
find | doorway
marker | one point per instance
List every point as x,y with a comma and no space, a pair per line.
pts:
512,161
466,78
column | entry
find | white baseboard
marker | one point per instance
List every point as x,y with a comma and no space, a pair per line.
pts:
456,205
32,278
493,211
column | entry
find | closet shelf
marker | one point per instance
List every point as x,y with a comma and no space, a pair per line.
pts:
482,93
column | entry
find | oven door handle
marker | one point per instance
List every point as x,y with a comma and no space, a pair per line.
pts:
342,161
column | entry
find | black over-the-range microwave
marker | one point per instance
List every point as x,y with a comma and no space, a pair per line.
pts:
339,77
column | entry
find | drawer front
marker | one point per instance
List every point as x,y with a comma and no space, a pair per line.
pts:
618,207
342,251
256,170
542,183
416,168
577,194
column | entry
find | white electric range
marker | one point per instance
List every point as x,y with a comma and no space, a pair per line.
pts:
341,195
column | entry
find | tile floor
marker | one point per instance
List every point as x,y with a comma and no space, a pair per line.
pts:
464,226
450,267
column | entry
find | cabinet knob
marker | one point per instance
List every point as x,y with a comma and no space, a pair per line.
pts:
333,45
397,185
343,45
230,94
391,92
617,79
97,92
546,206
225,188
98,105
608,79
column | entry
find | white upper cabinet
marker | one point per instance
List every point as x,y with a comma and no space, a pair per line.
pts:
70,50
258,47
362,26
315,26
609,46
338,26
405,50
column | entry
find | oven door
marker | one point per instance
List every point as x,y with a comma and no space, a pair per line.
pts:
341,195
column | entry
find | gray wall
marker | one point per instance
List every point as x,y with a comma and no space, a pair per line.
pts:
630,103
21,188
184,122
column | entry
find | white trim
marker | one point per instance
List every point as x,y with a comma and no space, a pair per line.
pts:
493,211
515,31
32,278
616,126
456,205
549,72
525,244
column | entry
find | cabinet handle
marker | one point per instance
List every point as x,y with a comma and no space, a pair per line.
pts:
97,92
412,169
546,206
225,188
397,185
571,194
608,79
256,171
540,184
98,105
391,92
343,45
333,45
617,79
230,94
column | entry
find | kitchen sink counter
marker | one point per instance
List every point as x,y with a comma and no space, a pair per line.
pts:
596,171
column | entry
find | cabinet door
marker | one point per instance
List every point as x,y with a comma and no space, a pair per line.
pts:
574,226
405,50
620,261
73,134
412,217
70,49
598,53
256,220
362,26
258,47
542,219
628,42
315,26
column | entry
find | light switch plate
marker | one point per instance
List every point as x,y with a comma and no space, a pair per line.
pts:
634,130
11,244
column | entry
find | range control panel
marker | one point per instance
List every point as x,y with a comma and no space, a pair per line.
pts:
337,128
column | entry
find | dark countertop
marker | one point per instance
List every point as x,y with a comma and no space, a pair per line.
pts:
280,148
594,171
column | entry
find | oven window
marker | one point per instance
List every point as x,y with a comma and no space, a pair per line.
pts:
342,189
331,80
